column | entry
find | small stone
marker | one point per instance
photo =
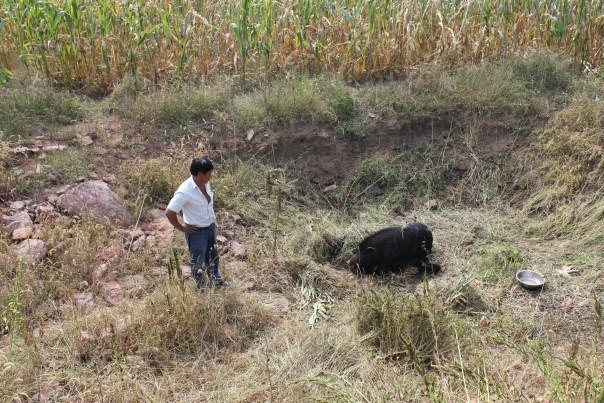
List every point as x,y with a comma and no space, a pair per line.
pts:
112,292
185,269
23,150
133,283
19,220
109,178
221,240
54,147
17,205
236,217
98,272
52,199
431,204
31,250
160,206
62,189
249,135
229,330
238,250
131,235
139,243
84,301
330,188
85,140
22,233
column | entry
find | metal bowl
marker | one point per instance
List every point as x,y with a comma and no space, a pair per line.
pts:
530,279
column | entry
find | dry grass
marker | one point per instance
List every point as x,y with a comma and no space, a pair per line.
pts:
469,333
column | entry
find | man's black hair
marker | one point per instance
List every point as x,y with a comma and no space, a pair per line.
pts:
202,165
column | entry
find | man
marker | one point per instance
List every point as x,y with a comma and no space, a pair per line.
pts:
195,199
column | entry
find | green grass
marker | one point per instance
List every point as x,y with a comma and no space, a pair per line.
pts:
70,164
395,180
24,108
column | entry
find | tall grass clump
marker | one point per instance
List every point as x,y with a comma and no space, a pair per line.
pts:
22,109
181,105
395,181
417,327
156,178
566,171
543,72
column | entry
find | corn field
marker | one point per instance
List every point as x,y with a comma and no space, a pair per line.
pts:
92,44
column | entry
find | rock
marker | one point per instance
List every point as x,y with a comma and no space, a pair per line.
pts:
20,234
229,330
121,325
17,205
111,252
54,147
139,243
161,228
85,140
31,250
238,250
62,189
52,199
249,135
44,209
228,233
185,269
220,240
131,284
99,272
431,204
109,178
330,188
96,199
112,292
160,206
19,220
277,303
84,301
23,150
130,235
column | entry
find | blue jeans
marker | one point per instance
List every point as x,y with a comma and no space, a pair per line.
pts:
203,251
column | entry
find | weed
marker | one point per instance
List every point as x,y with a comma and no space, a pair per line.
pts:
12,319
158,178
418,327
70,164
23,109
500,260
543,72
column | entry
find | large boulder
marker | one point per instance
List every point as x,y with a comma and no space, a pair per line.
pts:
94,198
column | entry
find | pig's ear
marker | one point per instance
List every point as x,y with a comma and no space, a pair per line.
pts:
370,250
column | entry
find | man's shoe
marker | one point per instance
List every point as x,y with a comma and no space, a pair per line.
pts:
221,283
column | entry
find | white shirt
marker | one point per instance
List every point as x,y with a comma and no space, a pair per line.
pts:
195,207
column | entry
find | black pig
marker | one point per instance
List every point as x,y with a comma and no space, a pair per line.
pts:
391,249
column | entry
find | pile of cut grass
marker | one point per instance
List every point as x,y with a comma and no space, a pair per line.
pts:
566,173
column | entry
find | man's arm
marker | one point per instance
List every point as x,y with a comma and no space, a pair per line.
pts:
173,218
